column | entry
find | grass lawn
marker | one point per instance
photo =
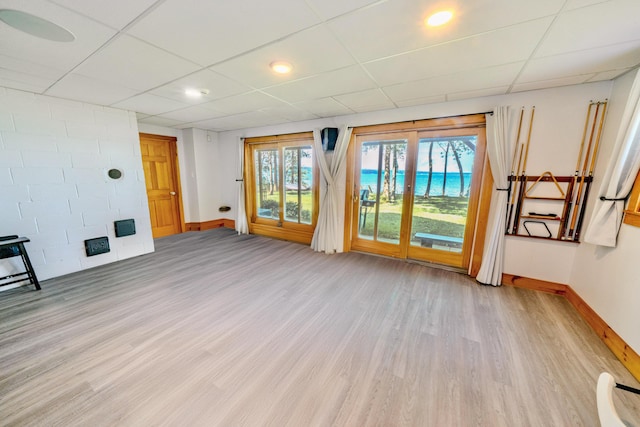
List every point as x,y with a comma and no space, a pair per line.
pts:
444,216
441,215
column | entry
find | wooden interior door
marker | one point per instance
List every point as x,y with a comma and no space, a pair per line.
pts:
160,162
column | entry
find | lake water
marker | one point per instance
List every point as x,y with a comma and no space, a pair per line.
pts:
369,177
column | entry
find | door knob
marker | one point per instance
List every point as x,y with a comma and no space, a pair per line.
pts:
173,193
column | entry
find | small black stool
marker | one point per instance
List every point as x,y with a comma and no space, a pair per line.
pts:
11,246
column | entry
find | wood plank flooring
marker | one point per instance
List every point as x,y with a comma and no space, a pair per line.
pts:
215,329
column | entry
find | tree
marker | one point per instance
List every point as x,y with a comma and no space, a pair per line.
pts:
394,175
273,171
386,188
426,192
456,156
458,147
291,162
393,152
446,161
463,145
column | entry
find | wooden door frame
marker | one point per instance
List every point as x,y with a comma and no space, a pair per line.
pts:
486,183
173,148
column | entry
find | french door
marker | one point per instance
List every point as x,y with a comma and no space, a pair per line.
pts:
416,192
281,186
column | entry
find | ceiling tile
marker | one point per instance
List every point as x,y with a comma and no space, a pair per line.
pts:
239,121
512,44
160,121
543,84
615,57
149,104
253,68
325,107
477,93
194,113
466,81
28,67
374,107
210,31
583,28
23,81
115,13
608,75
332,8
575,4
217,85
225,47
365,100
422,101
290,113
393,27
339,82
243,103
86,89
135,64
49,54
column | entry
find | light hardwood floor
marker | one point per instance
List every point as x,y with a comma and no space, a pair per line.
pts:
215,329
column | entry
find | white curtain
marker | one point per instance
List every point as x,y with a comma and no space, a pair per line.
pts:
500,148
620,175
328,233
241,217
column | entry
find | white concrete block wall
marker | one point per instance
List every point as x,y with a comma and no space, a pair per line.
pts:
54,188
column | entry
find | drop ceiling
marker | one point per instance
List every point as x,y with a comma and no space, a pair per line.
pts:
348,56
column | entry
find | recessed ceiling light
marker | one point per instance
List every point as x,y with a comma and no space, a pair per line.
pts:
439,18
281,67
35,26
196,93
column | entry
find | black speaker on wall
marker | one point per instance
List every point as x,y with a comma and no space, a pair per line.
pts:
329,138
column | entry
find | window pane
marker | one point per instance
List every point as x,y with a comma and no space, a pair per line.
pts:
381,190
267,186
441,196
369,178
298,184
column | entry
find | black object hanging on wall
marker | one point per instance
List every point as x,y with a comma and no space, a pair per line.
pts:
329,138
125,227
97,246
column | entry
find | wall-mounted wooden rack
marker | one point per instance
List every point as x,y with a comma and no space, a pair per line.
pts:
544,206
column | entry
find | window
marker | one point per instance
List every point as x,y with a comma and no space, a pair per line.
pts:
282,196
632,213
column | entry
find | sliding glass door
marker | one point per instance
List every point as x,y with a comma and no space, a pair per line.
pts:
416,193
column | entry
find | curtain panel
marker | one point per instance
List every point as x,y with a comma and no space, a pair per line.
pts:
500,148
242,227
328,234
619,177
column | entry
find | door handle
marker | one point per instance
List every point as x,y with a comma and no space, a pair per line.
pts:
173,193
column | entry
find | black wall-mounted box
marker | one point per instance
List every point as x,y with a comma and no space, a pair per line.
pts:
97,246
125,227
329,138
